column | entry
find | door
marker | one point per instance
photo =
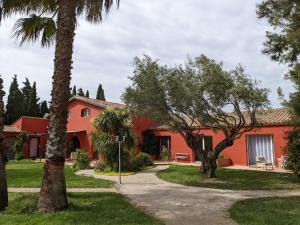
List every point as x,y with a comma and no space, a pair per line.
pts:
208,146
33,147
260,145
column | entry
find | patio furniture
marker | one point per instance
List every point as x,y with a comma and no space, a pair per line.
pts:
262,163
282,163
182,157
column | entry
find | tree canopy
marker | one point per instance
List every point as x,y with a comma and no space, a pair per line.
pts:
198,95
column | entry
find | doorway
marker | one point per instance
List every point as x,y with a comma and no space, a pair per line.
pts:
33,147
260,145
73,146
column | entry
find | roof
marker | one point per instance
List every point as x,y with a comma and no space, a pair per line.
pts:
98,103
11,129
268,117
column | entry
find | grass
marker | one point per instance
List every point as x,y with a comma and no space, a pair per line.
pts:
230,179
84,208
267,211
28,174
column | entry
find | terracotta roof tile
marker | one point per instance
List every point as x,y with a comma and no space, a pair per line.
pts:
268,117
11,129
98,103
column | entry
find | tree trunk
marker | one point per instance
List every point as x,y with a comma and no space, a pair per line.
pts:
53,195
3,181
211,161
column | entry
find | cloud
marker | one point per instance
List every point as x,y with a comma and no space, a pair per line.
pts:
228,31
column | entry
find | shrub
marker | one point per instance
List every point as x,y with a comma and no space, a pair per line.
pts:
141,160
82,160
165,154
18,150
100,167
293,152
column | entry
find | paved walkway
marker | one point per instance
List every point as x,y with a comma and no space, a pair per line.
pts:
176,204
83,190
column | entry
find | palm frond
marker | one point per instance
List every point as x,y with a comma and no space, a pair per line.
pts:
27,7
35,29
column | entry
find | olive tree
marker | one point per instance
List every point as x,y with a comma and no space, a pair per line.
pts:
199,95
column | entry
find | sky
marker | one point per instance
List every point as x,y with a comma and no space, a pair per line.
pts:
169,30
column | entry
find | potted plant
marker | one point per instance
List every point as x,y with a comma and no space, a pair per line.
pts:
223,161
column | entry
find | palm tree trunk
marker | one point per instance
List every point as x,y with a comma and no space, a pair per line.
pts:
3,181
53,195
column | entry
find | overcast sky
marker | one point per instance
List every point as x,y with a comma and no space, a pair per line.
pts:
170,30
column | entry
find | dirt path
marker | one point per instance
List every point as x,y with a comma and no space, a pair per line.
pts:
181,205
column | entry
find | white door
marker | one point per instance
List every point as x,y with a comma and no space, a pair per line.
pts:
33,147
260,145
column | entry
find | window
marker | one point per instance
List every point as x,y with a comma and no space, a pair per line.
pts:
85,112
69,115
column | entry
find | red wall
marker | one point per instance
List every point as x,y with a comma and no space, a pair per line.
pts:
238,152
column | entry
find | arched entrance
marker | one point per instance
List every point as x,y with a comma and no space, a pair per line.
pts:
73,145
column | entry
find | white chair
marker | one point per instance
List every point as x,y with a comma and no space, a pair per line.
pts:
261,162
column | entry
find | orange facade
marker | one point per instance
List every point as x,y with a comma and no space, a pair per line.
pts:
238,153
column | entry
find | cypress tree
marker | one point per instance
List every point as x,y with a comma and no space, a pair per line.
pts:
100,93
80,92
3,180
43,108
74,92
26,96
87,94
14,107
33,102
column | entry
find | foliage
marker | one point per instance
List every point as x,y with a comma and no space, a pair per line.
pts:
267,211
101,167
43,108
87,94
74,91
187,98
109,124
84,208
141,160
18,150
82,160
230,179
80,92
14,107
293,152
27,173
283,46
33,106
165,154
100,93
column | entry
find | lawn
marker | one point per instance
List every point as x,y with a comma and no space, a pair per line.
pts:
267,211
84,208
230,179
26,173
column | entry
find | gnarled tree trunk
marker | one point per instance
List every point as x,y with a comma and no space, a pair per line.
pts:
3,181
53,195
211,161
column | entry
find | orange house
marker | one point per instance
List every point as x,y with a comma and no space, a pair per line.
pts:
268,140
81,112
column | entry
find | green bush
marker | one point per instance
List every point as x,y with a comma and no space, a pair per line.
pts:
165,154
18,150
82,160
293,152
100,167
141,160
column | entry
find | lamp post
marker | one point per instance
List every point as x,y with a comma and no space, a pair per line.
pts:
120,141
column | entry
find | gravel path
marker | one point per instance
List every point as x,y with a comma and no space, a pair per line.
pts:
176,204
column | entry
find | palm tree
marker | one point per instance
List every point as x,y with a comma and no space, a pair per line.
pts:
3,181
50,21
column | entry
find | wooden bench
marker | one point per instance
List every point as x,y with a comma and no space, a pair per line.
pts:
182,157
